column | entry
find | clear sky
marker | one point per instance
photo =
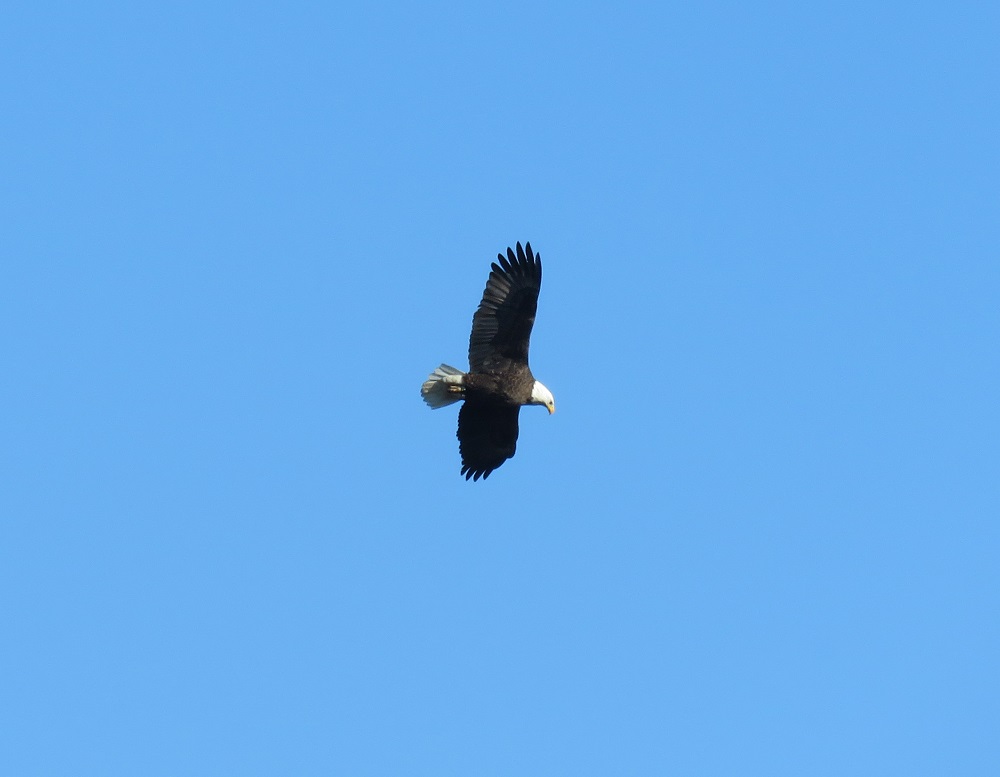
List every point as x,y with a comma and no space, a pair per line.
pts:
760,535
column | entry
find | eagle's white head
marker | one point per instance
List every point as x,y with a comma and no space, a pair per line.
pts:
542,396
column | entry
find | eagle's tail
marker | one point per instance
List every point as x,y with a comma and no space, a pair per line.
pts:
443,386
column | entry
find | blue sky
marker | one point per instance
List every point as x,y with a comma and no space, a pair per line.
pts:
760,534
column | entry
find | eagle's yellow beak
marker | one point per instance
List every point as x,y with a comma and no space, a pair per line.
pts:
551,408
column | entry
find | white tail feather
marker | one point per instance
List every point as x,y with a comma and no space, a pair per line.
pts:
443,387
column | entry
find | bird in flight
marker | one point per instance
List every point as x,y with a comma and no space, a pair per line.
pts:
499,381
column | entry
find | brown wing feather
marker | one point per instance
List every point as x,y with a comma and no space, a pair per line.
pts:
487,436
501,327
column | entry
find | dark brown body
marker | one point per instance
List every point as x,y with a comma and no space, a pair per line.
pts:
510,389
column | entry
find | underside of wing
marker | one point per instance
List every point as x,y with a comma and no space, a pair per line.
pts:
501,327
487,437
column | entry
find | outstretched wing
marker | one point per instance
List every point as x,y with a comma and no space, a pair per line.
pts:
487,437
501,327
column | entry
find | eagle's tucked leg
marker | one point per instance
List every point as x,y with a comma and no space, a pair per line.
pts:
443,386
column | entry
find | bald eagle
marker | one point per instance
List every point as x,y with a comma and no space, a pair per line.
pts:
498,381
